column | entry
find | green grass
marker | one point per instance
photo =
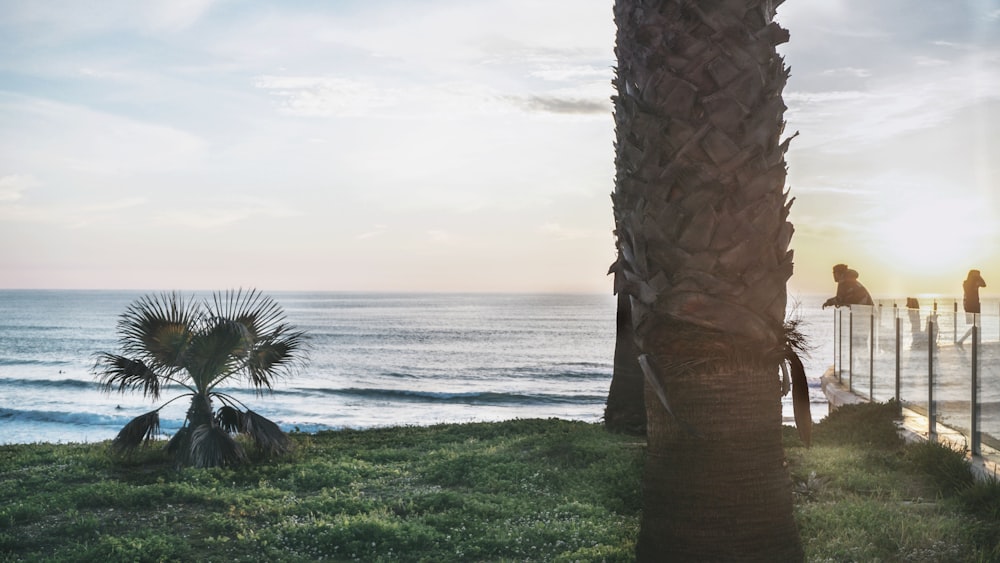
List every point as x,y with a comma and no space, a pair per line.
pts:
522,490
528,490
864,495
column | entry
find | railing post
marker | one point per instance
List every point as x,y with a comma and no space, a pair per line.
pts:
838,350
931,410
850,349
899,345
954,322
871,355
976,438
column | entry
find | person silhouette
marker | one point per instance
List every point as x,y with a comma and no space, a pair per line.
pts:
918,339
970,300
849,290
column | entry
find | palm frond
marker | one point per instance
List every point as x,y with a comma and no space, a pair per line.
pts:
800,397
229,419
268,437
268,347
217,351
275,356
258,312
158,329
212,446
179,444
126,374
794,338
140,430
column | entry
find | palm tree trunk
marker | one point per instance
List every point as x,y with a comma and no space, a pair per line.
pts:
714,485
626,411
200,411
701,222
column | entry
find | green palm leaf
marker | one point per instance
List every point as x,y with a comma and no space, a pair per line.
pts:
140,430
127,375
159,330
216,352
274,356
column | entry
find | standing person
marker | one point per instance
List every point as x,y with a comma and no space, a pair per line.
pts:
849,289
918,339
970,300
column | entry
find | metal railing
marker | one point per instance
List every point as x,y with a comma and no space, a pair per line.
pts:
936,360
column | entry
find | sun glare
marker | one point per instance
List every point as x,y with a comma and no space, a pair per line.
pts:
941,237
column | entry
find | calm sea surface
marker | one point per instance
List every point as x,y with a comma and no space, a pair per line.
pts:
376,360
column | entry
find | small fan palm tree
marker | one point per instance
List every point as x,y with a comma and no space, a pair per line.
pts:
197,345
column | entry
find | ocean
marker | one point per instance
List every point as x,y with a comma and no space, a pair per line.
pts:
376,359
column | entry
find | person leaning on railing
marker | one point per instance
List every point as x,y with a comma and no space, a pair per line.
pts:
849,290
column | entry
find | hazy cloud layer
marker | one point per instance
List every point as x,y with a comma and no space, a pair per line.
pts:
364,145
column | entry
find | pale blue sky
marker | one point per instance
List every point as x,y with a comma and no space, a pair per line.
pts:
441,145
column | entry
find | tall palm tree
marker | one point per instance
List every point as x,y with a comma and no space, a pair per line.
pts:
197,346
701,213
626,410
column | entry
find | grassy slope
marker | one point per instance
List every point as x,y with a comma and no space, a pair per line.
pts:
537,490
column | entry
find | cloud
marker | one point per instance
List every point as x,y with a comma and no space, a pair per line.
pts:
558,105
216,213
12,187
377,230
921,60
849,71
559,232
70,215
174,14
891,106
566,72
64,20
47,134
440,236
326,96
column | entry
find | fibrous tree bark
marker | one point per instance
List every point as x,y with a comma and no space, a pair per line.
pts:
701,214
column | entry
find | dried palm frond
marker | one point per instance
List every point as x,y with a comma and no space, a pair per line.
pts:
212,446
797,345
268,437
140,430
229,419
180,443
800,397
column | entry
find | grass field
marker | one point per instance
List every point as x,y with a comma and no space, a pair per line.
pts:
525,490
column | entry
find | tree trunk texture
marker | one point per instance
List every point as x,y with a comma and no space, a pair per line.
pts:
701,219
714,486
200,411
626,410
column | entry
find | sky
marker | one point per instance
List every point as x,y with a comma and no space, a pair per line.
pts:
456,145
